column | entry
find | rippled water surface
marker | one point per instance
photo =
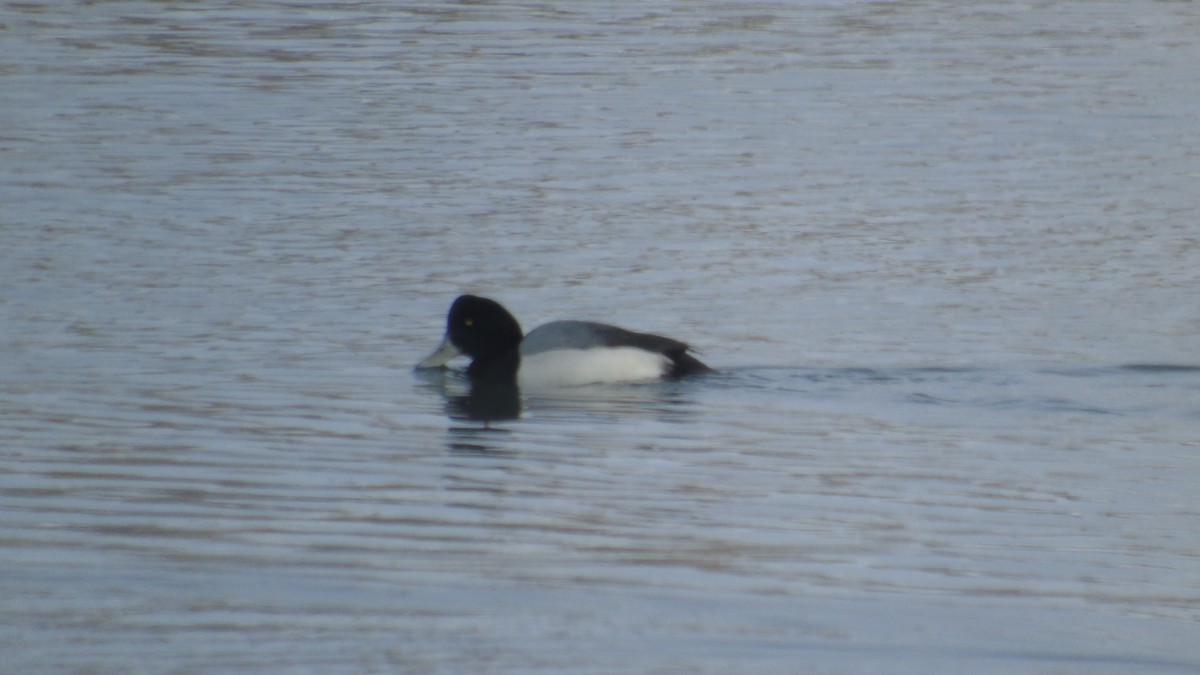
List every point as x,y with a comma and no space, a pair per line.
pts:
944,255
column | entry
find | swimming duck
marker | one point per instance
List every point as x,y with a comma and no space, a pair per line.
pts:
557,354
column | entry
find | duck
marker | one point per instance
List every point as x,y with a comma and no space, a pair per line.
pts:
557,354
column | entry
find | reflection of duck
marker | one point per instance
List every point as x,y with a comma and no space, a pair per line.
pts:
481,401
486,402
560,353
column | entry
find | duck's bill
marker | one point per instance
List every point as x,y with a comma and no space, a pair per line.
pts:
441,356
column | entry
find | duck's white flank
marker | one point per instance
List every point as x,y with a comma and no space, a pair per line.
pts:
571,367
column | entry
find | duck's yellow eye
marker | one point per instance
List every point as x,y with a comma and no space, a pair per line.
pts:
469,322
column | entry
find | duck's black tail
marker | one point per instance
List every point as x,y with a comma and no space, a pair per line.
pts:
684,364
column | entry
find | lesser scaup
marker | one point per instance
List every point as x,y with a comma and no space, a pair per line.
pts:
560,353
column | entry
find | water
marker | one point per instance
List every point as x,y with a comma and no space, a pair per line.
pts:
945,257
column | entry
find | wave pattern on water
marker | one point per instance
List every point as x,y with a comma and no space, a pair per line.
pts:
944,256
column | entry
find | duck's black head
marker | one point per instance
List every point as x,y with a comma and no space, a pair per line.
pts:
481,328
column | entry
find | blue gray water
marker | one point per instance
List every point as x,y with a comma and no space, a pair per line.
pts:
945,256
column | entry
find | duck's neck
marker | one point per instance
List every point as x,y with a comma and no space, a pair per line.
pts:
499,368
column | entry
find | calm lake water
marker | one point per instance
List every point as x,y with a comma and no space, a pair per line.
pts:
945,256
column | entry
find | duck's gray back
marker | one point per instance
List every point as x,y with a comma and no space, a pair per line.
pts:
588,335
